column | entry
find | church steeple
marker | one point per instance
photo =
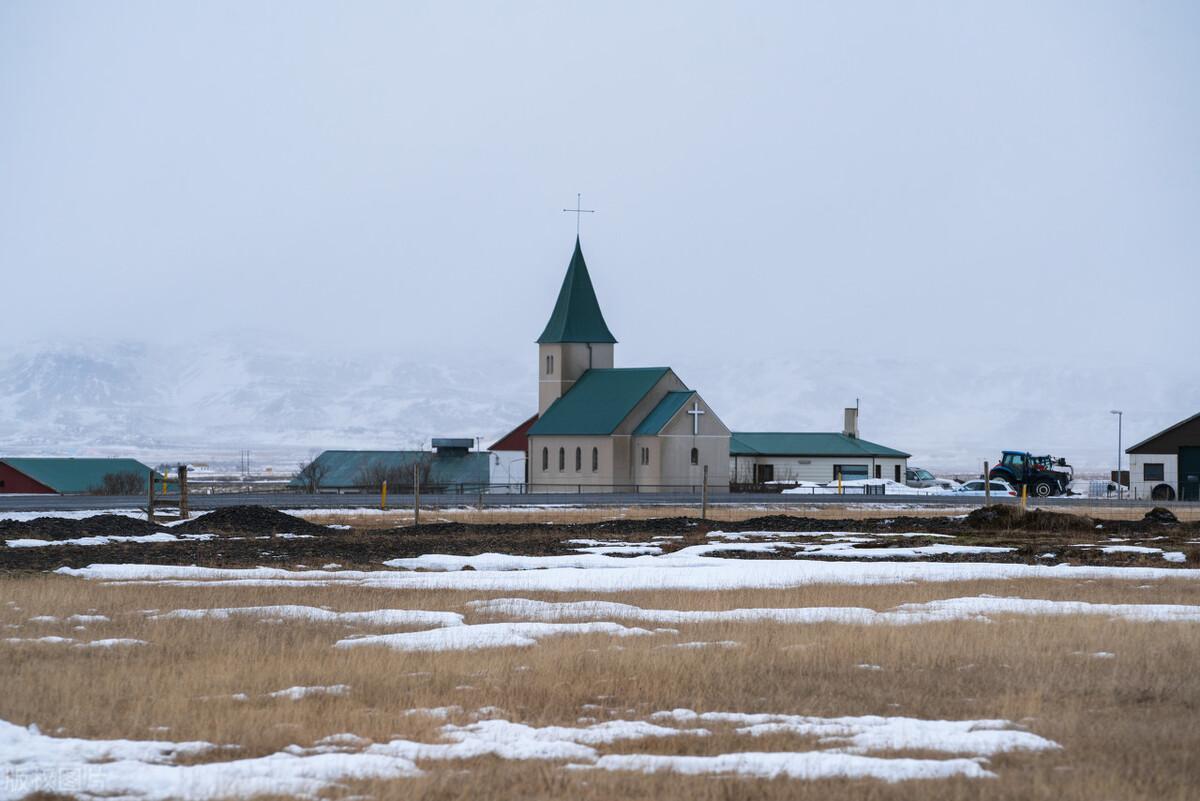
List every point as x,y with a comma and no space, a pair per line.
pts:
577,316
576,339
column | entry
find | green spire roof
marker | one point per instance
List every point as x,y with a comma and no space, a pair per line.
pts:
576,316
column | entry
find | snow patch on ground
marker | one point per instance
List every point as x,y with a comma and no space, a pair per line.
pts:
33,762
296,693
108,540
487,635
972,608
613,574
804,765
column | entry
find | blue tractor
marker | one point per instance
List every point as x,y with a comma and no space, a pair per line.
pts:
1043,475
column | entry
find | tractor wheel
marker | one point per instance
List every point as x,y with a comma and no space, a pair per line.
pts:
1043,489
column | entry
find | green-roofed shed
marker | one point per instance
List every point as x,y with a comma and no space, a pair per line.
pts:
71,476
450,469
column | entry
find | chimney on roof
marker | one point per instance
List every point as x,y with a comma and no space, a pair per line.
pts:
850,428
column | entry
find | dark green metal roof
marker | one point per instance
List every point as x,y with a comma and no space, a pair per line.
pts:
345,468
744,443
74,475
598,402
663,412
576,316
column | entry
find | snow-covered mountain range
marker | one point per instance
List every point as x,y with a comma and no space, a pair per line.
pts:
207,401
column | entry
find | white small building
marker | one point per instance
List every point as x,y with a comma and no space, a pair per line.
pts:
762,457
508,459
1166,467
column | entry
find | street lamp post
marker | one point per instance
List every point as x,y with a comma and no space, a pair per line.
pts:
1119,415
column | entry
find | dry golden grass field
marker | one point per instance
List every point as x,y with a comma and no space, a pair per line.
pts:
1121,698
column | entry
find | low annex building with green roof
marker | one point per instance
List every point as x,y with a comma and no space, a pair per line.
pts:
791,458
602,427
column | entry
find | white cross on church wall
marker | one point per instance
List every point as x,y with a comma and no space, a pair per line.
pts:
695,412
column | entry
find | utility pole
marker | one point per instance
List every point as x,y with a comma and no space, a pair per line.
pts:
150,499
416,496
183,492
987,486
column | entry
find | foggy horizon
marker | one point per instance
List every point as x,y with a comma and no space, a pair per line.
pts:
996,204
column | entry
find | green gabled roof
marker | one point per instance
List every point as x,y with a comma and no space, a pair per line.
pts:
345,469
663,412
598,402
744,443
74,475
576,316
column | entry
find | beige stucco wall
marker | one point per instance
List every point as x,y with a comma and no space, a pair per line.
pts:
711,440
569,479
813,468
571,360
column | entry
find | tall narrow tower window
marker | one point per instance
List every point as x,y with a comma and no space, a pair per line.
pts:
549,364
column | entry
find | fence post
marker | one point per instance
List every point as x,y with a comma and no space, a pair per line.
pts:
704,496
1024,497
416,500
150,499
383,496
987,485
183,492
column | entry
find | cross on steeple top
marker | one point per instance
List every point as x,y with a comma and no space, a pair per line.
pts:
579,212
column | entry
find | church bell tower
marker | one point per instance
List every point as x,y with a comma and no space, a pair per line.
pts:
576,339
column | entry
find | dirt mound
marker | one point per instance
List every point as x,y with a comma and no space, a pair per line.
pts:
249,520
1160,516
1009,516
63,528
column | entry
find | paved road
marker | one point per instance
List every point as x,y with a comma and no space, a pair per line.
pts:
287,500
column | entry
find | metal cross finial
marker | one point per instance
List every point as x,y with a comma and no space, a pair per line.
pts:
578,211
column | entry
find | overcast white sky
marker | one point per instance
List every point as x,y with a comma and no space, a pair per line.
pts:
957,178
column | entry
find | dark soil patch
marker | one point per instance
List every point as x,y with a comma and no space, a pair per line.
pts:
249,520
1160,516
247,536
62,528
1005,517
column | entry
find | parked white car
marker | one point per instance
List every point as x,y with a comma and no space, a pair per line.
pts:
976,489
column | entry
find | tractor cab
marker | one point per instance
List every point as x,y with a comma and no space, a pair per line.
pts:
1015,461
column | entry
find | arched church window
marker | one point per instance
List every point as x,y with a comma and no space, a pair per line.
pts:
695,456
595,459
562,459
545,458
578,459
